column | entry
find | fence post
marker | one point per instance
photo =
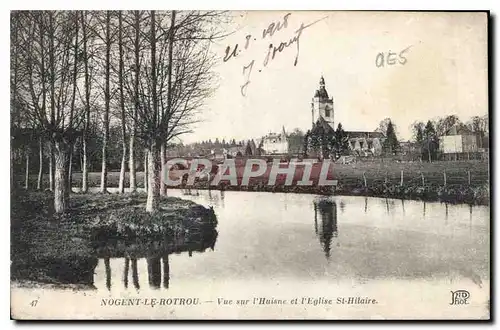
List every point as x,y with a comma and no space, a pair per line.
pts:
468,174
444,176
401,183
364,178
423,180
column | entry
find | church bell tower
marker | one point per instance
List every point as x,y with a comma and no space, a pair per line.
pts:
322,105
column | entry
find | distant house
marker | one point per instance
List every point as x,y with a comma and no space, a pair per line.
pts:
458,139
275,143
365,143
235,151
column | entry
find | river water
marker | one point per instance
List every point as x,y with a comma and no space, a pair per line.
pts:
278,246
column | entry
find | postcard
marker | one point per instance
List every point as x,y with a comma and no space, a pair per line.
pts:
249,165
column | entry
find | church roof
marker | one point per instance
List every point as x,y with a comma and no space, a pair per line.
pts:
364,134
323,125
321,92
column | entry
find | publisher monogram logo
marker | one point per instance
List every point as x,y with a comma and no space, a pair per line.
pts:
460,297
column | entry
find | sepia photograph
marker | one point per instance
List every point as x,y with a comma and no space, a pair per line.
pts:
249,165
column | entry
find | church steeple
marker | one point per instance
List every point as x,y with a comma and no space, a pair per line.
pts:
321,92
322,104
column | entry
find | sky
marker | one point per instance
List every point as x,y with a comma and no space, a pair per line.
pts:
442,70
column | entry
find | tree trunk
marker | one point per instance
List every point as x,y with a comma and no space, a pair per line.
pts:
51,166
153,179
85,173
131,165
146,171
40,165
12,183
104,169
121,185
73,101
60,186
163,186
52,79
27,175
131,162
69,181
85,167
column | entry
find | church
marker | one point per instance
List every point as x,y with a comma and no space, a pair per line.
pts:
361,143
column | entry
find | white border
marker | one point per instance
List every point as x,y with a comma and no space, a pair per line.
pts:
492,5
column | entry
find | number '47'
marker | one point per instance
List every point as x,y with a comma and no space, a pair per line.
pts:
33,303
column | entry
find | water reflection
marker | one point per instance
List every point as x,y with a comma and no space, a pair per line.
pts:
108,273
115,260
154,253
404,244
154,272
135,274
56,270
328,228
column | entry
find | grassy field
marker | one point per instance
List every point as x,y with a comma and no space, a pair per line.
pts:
352,174
456,172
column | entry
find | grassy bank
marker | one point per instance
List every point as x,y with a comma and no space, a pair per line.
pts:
60,249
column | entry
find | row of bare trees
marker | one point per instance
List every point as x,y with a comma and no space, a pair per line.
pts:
148,72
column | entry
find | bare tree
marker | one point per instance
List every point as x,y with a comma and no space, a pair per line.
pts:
163,187
121,185
175,82
88,87
61,123
135,98
107,98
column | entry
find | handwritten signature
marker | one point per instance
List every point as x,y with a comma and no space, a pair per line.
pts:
272,50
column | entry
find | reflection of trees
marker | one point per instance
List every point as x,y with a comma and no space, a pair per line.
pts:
154,272
166,271
108,273
198,239
135,275
125,272
58,270
216,198
328,228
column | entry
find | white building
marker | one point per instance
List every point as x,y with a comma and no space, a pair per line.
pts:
458,139
275,143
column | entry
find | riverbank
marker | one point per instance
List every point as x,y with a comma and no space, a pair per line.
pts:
453,194
451,181
63,249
